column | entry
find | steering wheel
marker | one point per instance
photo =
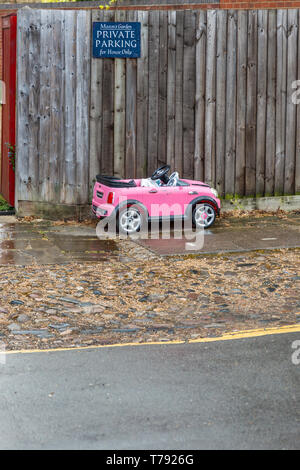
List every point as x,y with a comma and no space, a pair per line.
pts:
161,174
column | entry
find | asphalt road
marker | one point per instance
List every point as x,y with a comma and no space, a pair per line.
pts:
239,394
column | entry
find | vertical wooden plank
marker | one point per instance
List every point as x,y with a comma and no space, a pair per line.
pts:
262,64
68,189
271,106
45,100
189,91
221,100
230,146
200,95
153,90
281,100
119,109
171,96
55,104
240,164
23,41
162,87
107,144
83,51
131,109
60,194
179,93
251,104
96,118
142,99
290,158
210,105
33,102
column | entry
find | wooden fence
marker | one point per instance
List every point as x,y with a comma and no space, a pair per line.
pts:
211,95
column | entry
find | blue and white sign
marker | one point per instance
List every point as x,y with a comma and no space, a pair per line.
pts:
116,40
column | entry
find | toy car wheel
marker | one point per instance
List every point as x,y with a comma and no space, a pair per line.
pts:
204,215
131,220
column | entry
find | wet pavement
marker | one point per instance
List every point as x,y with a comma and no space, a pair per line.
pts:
44,243
238,234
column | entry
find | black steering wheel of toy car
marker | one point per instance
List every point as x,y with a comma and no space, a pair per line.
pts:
161,174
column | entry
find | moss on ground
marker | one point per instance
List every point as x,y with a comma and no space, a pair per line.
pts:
4,205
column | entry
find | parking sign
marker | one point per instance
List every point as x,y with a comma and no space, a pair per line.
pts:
116,40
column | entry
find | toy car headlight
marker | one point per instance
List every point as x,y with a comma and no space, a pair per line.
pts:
214,191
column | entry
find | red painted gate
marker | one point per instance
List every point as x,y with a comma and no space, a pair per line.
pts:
7,175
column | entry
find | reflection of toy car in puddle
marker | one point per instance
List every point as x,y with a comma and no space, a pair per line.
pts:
137,201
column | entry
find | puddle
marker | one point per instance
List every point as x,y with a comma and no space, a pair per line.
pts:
84,244
7,245
16,258
22,244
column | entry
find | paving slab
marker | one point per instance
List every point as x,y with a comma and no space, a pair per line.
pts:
238,235
7,219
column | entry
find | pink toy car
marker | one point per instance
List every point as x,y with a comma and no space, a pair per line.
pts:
135,202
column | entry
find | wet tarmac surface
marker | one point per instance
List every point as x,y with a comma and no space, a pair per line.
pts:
45,243
42,243
239,394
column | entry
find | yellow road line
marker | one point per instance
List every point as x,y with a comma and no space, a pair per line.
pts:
227,336
250,333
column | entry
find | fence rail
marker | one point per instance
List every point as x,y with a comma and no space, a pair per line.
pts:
211,95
